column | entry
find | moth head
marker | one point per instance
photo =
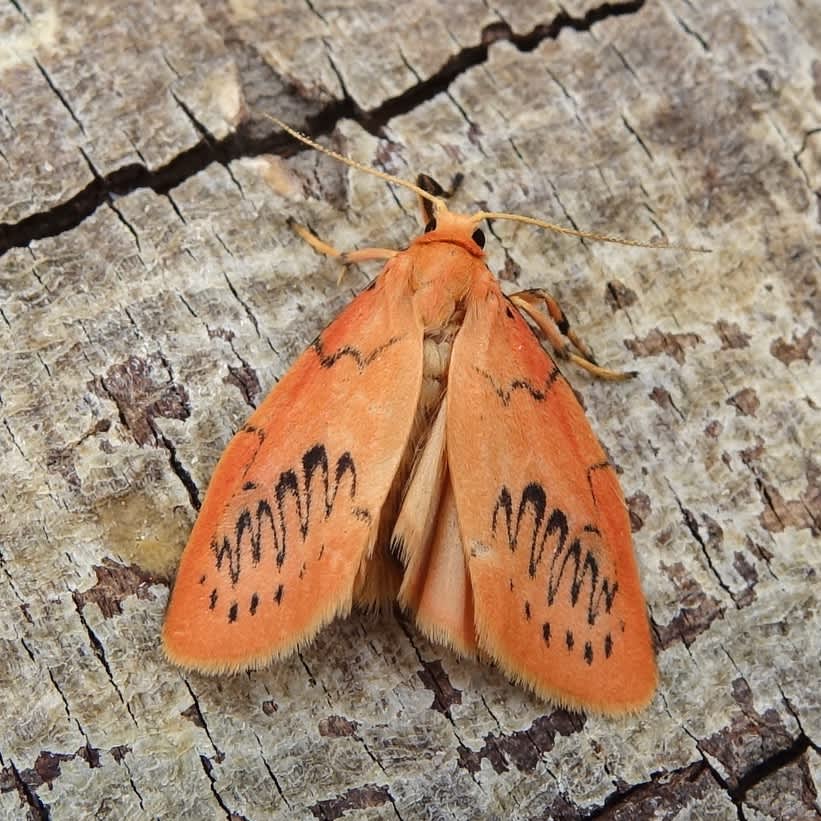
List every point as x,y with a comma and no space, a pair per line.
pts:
448,226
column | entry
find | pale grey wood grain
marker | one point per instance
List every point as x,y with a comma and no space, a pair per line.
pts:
138,340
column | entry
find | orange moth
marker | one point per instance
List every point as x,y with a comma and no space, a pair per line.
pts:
425,449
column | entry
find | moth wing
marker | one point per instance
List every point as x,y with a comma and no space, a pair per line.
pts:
292,512
557,598
435,586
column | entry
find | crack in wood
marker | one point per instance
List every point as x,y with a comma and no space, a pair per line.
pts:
244,143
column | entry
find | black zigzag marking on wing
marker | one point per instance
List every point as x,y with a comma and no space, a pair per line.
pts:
572,566
362,360
537,393
309,494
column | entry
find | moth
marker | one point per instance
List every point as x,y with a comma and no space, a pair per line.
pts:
425,449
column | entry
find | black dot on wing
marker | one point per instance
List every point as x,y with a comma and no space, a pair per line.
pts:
362,513
527,610
608,645
202,579
546,633
212,599
232,612
278,594
569,640
254,603
588,652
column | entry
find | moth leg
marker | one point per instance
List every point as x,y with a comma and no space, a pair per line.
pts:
553,325
345,257
554,310
430,185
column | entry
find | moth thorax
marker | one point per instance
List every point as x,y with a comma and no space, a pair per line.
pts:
436,353
436,359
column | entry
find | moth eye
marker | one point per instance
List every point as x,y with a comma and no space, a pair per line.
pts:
431,226
479,238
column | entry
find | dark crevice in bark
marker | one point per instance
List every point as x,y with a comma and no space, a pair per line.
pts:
38,810
270,771
768,767
629,802
207,767
247,142
181,473
692,525
199,720
637,794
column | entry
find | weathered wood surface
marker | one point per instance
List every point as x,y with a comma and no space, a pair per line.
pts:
150,293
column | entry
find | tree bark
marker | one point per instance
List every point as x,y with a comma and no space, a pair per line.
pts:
151,293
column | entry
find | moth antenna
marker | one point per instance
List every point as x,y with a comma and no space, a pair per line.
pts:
438,202
561,229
